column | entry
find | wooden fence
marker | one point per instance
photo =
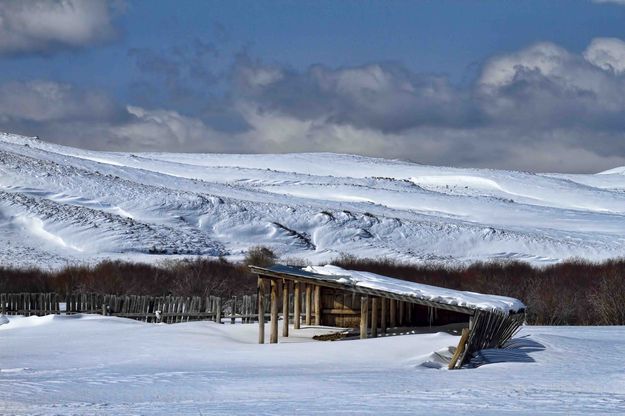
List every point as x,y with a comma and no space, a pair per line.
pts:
166,309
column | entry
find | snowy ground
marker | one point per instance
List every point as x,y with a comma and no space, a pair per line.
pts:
62,205
96,365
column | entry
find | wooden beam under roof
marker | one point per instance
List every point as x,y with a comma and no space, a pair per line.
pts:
292,273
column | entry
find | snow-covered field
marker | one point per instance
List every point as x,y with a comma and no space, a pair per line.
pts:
101,365
62,205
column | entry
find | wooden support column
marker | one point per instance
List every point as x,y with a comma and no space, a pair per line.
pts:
402,309
374,317
459,349
297,299
308,301
273,334
383,315
393,313
364,316
285,308
317,305
261,310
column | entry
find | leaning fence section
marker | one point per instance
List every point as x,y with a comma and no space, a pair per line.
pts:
165,309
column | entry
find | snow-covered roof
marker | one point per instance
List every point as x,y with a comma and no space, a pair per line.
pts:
437,294
371,281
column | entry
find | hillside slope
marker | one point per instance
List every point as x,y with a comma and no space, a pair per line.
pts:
62,205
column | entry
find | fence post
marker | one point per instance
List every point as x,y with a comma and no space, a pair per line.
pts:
218,310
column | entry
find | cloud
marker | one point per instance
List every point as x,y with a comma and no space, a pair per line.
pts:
384,96
44,101
607,53
77,117
187,77
617,2
45,26
540,108
166,130
545,86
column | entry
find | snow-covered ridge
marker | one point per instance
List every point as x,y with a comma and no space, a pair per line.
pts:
422,291
60,204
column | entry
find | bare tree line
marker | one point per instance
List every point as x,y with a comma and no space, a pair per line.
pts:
574,292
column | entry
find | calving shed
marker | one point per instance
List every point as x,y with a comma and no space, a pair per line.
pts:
373,303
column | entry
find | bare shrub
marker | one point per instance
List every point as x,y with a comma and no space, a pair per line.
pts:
260,256
199,277
608,300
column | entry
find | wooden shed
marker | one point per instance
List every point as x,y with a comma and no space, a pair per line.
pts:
372,304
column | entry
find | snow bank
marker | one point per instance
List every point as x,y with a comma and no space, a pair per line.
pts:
432,293
114,366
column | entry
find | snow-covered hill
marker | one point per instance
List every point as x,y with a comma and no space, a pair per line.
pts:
63,205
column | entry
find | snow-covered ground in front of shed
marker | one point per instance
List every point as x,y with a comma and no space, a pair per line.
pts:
87,365
61,205
369,280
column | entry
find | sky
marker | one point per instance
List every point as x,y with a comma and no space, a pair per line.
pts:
531,85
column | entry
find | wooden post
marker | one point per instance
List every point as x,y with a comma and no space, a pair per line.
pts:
383,315
401,312
459,349
233,310
317,305
218,313
297,298
308,301
374,317
273,333
261,310
364,316
393,313
285,308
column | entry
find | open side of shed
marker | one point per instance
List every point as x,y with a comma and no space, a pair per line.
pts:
336,297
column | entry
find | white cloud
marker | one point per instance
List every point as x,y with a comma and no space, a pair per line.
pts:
41,101
49,25
607,53
160,129
545,58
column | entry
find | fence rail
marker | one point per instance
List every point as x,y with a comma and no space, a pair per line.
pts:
166,309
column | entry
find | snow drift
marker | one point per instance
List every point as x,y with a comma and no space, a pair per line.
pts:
60,204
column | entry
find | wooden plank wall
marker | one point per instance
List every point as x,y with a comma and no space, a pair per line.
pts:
166,309
28,304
